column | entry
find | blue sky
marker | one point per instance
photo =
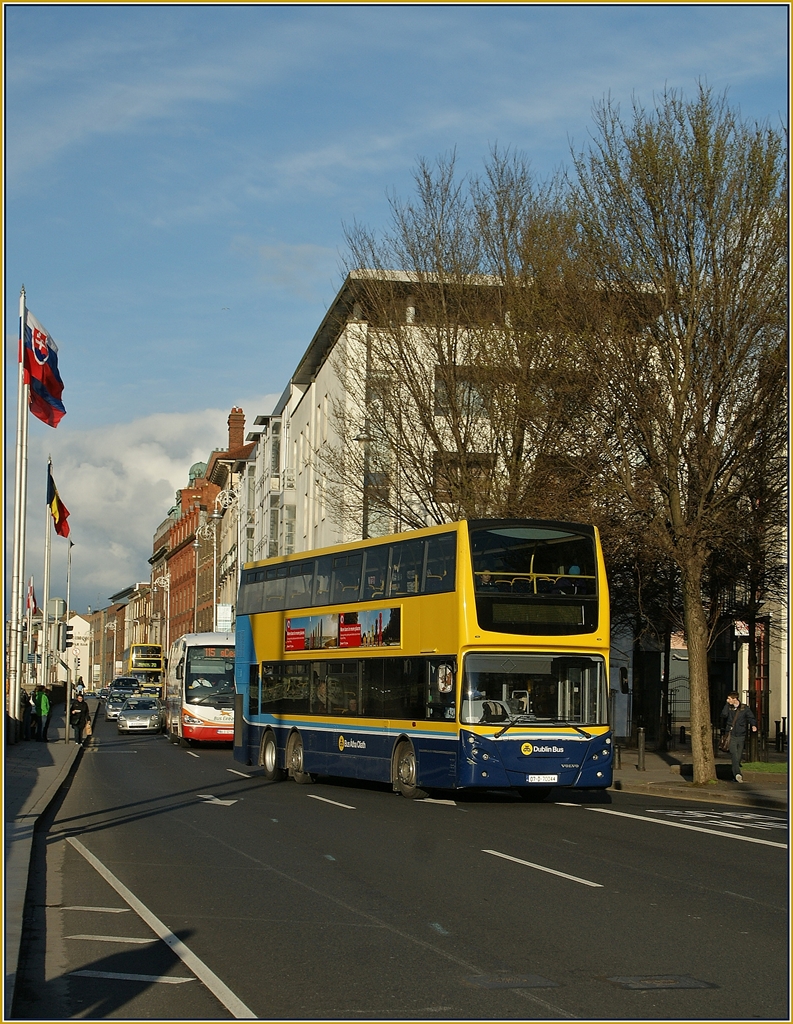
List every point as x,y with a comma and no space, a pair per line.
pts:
177,178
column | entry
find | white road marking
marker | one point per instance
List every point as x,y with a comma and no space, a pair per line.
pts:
219,989
335,803
235,772
210,799
115,976
430,800
101,910
113,938
192,754
540,867
691,828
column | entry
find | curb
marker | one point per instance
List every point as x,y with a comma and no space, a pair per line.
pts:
687,791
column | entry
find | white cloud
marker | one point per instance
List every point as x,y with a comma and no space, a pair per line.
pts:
118,482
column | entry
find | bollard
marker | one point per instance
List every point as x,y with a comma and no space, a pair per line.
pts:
682,735
777,737
618,756
640,765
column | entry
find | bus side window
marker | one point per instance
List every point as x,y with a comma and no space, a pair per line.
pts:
253,690
441,558
322,580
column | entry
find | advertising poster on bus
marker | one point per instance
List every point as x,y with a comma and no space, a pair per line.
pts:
371,628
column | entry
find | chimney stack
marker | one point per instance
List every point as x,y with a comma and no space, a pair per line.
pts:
236,428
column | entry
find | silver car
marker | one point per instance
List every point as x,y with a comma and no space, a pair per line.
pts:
141,714
114,703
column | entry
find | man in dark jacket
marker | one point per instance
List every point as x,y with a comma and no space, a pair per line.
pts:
738,717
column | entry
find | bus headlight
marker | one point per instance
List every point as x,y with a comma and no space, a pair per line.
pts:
189,720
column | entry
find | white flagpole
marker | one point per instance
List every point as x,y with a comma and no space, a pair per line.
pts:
45,643
69,673
20,515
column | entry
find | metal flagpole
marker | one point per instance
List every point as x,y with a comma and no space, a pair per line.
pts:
45,642
20,514
65,626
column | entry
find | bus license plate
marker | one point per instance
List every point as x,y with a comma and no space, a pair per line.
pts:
226,732
542,778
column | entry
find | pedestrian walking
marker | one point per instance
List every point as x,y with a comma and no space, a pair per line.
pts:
42,710
80,717
738,718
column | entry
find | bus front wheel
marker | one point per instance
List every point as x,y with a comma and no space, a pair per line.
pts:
269,759
294,760
406,771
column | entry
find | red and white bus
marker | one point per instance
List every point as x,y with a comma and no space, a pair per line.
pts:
200,689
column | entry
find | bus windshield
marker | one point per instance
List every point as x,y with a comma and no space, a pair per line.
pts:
209,679
509,688
539,579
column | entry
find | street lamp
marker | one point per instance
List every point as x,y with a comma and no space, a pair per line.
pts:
364,439
210,529
112,625
195,603
230,499
164,583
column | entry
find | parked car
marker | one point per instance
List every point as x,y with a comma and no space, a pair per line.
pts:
141,714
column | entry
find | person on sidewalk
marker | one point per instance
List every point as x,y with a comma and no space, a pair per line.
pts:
46,728
28,713
42,711
79,715
738,717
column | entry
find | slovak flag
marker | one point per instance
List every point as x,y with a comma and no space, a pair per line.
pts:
30,603
40,362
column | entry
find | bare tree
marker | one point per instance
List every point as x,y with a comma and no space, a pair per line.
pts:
682,297
469,394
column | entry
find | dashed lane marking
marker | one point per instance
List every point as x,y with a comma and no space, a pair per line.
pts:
193,754
101,910
335,803
113,938
117,976
235,772
541,867
218,988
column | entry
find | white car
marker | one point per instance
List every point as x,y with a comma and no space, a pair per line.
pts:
141,714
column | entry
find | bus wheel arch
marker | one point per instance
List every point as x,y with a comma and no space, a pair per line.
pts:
268,757
295,759
404,770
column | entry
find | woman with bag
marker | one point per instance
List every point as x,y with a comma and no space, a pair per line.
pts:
738,717
80,717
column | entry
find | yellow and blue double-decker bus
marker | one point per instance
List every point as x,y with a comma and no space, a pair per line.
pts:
472,654
145,663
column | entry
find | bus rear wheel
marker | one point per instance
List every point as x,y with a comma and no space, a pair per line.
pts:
268,759
406,771
294,761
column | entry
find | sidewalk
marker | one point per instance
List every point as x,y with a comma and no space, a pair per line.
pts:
671,775
33,773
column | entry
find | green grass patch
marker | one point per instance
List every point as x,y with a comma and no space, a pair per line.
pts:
765,766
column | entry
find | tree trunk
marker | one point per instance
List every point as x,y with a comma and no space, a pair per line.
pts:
697,639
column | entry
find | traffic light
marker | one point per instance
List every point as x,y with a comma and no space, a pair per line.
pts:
60,636
65,638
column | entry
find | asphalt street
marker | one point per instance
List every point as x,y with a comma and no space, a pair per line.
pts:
175,883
